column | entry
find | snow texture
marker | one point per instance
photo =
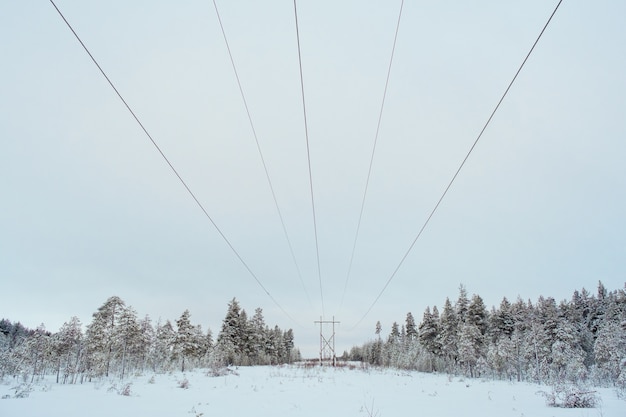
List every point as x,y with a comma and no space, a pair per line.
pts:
295,391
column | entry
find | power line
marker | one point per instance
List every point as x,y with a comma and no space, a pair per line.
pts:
172,166
406,254
258,147
369,171
308,155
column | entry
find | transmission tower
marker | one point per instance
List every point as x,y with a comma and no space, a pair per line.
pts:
327,345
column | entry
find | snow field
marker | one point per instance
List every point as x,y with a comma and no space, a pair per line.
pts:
295,391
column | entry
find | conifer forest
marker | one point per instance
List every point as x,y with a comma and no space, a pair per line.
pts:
582,339
117,343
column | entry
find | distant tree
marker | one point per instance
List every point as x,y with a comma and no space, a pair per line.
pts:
567,355
610,350
477,314
393,348
448,335
229,340
462,305
288,345
186,343
429,336
127,336
144,343
411,328
67,346
277,345
209,339
36,348
246,347
429,332
502,322
394,336
15,333
470,344
501,357
542,342
258,338
162,350
602,292
101,344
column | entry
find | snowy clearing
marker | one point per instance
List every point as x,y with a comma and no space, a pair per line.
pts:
295,391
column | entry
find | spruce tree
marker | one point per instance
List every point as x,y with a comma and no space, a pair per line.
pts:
470,344
477,314
230,338
161,352
429,332
411,329
462,304
186,341
429,336
448,335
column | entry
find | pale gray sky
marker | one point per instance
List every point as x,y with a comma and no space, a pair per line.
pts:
90,210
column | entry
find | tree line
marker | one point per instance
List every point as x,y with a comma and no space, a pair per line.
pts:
117,343
583,338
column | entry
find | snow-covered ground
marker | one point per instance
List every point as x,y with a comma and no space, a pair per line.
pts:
295,391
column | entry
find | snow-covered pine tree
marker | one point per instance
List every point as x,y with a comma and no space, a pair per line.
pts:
429,336
501,357
278,346
448,335
374,354
567,354
394,335
429,333
288,346
229,340
610,351
36,347
186,341
470,346
161,353
141,350
501,321
477,314
67,344
246,349
100,341
462,304
258,338
411,327
393,348
127,335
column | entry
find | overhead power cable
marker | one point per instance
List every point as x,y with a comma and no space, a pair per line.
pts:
406,254
308,155
182,181
258,147
369,171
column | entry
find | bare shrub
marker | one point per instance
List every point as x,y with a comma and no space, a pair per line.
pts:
220,371
570,396
22,391
184,383
370,412
125,390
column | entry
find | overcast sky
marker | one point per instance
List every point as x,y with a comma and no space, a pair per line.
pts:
89,209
